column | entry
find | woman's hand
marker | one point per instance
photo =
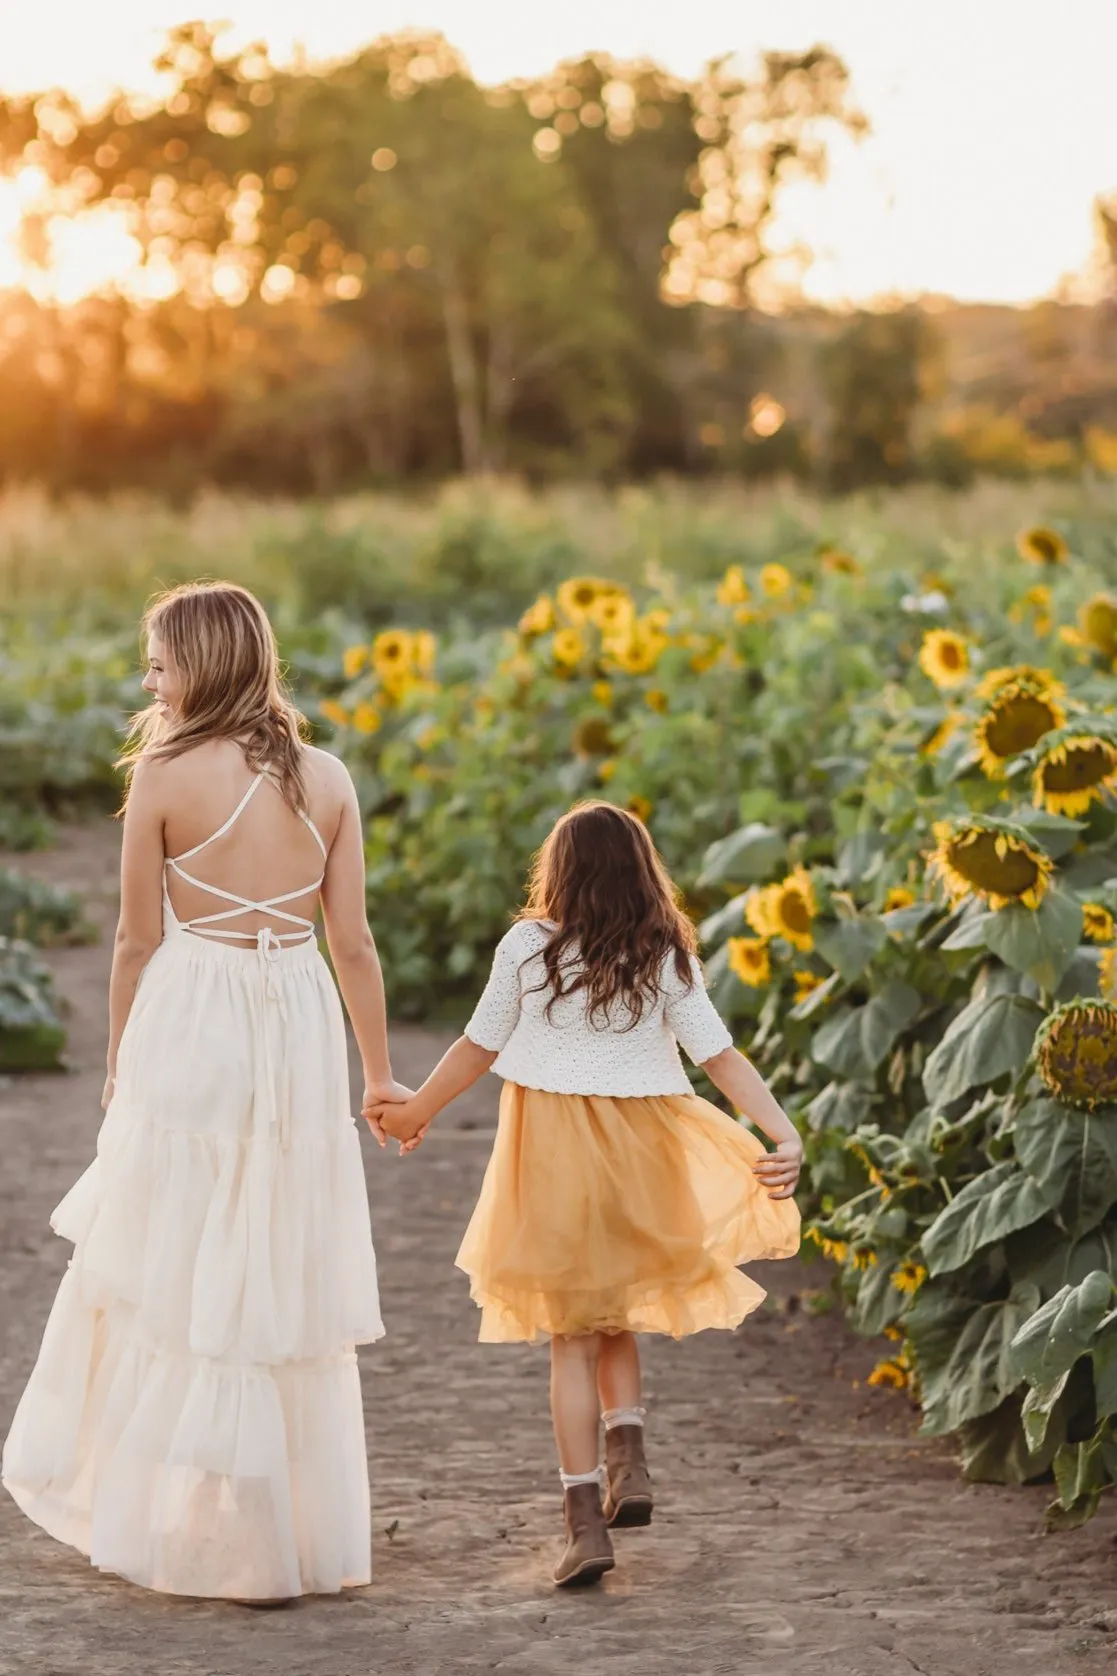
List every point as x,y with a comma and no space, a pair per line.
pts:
778,1171
406,1123
386,1092
108,1091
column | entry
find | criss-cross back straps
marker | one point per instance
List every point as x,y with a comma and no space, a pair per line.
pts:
212,925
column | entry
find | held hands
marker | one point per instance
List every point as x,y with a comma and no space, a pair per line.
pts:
404,1121
778,1171
379,1095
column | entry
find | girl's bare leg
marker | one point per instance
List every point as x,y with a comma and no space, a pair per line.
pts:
574,1402
618,1372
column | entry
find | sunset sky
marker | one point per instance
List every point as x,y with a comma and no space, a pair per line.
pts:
993,121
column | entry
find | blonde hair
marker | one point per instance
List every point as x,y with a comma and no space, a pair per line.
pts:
232,688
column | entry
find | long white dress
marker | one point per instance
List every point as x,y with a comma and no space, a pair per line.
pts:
194,1422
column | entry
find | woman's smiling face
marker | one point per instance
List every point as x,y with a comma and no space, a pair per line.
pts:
162,680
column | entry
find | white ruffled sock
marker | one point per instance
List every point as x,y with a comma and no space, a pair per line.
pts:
623,1417
569,1479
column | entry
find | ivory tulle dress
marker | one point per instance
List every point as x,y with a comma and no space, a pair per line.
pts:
615,1198
194,1420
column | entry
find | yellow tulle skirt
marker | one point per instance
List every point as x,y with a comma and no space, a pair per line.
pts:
613,1215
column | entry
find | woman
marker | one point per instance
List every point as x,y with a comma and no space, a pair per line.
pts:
194,1419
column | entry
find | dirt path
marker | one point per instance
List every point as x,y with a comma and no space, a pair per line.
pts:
802,1526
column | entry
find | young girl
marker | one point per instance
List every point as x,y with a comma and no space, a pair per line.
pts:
616,1201
194,1419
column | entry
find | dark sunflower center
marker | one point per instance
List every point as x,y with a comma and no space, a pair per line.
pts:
1045,546
584,596
950,655
978,863
1016,724
1080,1058
593,738
1083,767
794,911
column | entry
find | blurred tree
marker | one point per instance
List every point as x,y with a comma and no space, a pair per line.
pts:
872,375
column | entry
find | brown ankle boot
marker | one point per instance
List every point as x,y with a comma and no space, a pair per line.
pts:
589,1552
628,1496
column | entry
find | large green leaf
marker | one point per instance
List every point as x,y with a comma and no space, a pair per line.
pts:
840,1105
962,1350
855,1041
720,924
1076,1153
995,1203
745,857
1039,941
850,944
1082,1472
991,1036
1047,1347
1057,834
994,1450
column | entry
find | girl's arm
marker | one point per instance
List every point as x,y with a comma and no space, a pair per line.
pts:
139,930
745,1088
354,955
458,1069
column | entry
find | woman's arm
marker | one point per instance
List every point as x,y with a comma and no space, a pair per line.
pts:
745,1088
139,929
354,955
458,1069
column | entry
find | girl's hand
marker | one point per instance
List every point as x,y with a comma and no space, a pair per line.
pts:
386,1092
778,1171
108,1091
403,1123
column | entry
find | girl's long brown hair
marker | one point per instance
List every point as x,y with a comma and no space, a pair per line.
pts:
222,642
599,877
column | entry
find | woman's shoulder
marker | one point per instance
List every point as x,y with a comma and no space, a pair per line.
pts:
527,935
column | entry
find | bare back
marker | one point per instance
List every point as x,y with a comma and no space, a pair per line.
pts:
268,855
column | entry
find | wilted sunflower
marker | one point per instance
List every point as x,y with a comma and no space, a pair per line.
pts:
891,1375
733,589
748,960
908,1277
986,858
775,580
1076,1053
1097,923
944,658
612,611
576,595
567,649
1097,625
1041,545
836,1250
538,618
1017,719
1073,770
791,909
592,738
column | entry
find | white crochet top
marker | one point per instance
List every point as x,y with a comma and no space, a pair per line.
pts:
570,1054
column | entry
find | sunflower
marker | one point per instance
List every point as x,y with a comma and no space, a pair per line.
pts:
864,1259
944,658
638,651
391,652
748,960
423,650
898,897
942,735
1041,545
592,738
836,1250
805,984
612,611
606,769
1097,923
576,595
775,580
639,806
839,563
988,859
733,589
366,718
1107,973
656,699
1076,1053
567,649
334,712
1074,770
792,907
353,661
758,910
1097,625
1036,600
994,681
889,1375
1016,720
538,618
908,1278
707,650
